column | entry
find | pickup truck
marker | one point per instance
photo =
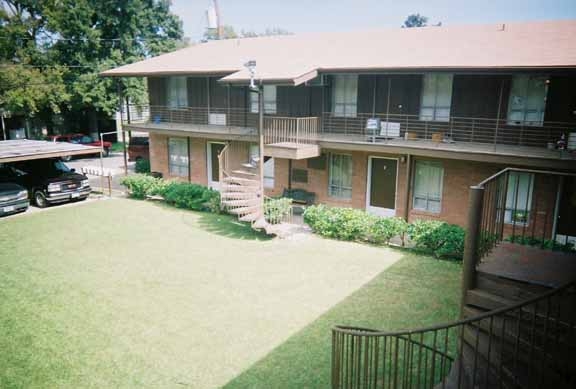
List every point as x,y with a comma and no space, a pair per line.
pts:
80,139
48,181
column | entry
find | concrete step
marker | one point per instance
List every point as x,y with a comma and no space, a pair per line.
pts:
238,188
243,202
508,288
486,300
242,181
245,172
239,195
251,217
244,210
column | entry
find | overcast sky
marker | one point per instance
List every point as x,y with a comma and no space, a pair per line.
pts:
337,15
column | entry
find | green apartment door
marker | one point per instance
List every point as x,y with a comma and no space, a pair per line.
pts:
381,187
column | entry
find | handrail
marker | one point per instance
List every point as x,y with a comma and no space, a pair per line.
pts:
511,169
483,351
352,330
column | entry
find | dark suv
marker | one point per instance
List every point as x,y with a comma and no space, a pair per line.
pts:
48,181
13,198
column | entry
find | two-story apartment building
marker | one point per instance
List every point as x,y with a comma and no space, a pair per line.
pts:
397,121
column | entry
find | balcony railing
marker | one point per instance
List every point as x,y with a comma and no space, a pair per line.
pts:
373,128
381,127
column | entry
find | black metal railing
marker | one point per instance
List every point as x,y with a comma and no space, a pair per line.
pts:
527,345
520,206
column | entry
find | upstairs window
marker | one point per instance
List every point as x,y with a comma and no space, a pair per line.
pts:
527,102
345,95
269,92
436,97
428,183
177,92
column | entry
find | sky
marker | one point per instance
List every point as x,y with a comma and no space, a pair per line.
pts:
299,16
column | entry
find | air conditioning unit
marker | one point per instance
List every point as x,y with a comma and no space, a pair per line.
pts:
217,119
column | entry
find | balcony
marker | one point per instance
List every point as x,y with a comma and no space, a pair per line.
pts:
461,134
299,137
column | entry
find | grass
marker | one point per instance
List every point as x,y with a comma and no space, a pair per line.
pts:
415,292
125,293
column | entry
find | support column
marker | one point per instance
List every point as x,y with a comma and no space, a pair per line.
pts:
408,187
261,144
120,104
472,240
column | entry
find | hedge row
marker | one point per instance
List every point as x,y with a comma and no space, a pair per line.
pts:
179,194
435,237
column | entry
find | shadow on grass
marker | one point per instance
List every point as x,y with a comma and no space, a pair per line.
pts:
415,292
229,226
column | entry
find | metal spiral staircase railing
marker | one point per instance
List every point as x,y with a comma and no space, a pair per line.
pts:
514,333
527,345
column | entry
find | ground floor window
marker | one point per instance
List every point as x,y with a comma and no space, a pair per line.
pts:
340,176
519,197
428,183
178,157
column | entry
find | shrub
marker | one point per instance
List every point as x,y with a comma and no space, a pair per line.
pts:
275,210
142,166
191,196
339,223
548,244
384,229
140,185
439,238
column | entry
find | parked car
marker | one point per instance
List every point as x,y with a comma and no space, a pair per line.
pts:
13,198
138,148
48,181
82,140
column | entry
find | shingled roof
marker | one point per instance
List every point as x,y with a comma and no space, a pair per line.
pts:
295,59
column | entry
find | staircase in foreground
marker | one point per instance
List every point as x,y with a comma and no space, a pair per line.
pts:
517,328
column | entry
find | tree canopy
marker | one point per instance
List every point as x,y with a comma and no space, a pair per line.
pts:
415,20
51,51
229,32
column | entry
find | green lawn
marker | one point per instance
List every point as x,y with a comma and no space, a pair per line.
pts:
123,293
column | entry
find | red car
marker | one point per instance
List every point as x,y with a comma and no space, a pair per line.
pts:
80,139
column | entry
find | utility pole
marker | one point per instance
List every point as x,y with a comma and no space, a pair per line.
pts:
219,26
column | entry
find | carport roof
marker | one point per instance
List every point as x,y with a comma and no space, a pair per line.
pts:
25,149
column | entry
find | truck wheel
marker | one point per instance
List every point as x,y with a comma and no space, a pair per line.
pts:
40,199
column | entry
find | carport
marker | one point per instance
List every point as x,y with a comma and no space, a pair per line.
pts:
25,149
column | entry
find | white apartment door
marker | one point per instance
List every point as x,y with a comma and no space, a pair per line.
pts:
213,150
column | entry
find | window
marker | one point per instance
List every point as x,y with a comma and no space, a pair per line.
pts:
428,182
527,101
345,95
178,157
519,197
436,97
269,92
340,176
177,92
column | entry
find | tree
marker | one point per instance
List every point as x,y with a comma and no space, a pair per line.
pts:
228,32
415,20
82,38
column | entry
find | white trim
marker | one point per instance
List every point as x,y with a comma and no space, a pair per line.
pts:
211,184
385,212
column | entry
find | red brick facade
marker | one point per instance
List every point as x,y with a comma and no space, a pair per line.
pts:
458,177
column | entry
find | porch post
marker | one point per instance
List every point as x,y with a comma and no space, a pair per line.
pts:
472,240
261,144
120,105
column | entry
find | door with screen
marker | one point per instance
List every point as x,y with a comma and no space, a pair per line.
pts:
213,167
381,193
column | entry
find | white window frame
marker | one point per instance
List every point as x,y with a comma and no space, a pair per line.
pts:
427,197
178,162
270,100
523,201
345,95
521,89
335,188
177,92
434,110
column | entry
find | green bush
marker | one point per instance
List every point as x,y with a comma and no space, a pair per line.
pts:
548,244
384,229
437,237
142,166
339,223
191,196
141,185
275,210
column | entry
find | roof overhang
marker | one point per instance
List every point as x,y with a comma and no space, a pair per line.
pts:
25,149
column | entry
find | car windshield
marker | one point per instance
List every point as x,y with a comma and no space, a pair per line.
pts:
60,166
